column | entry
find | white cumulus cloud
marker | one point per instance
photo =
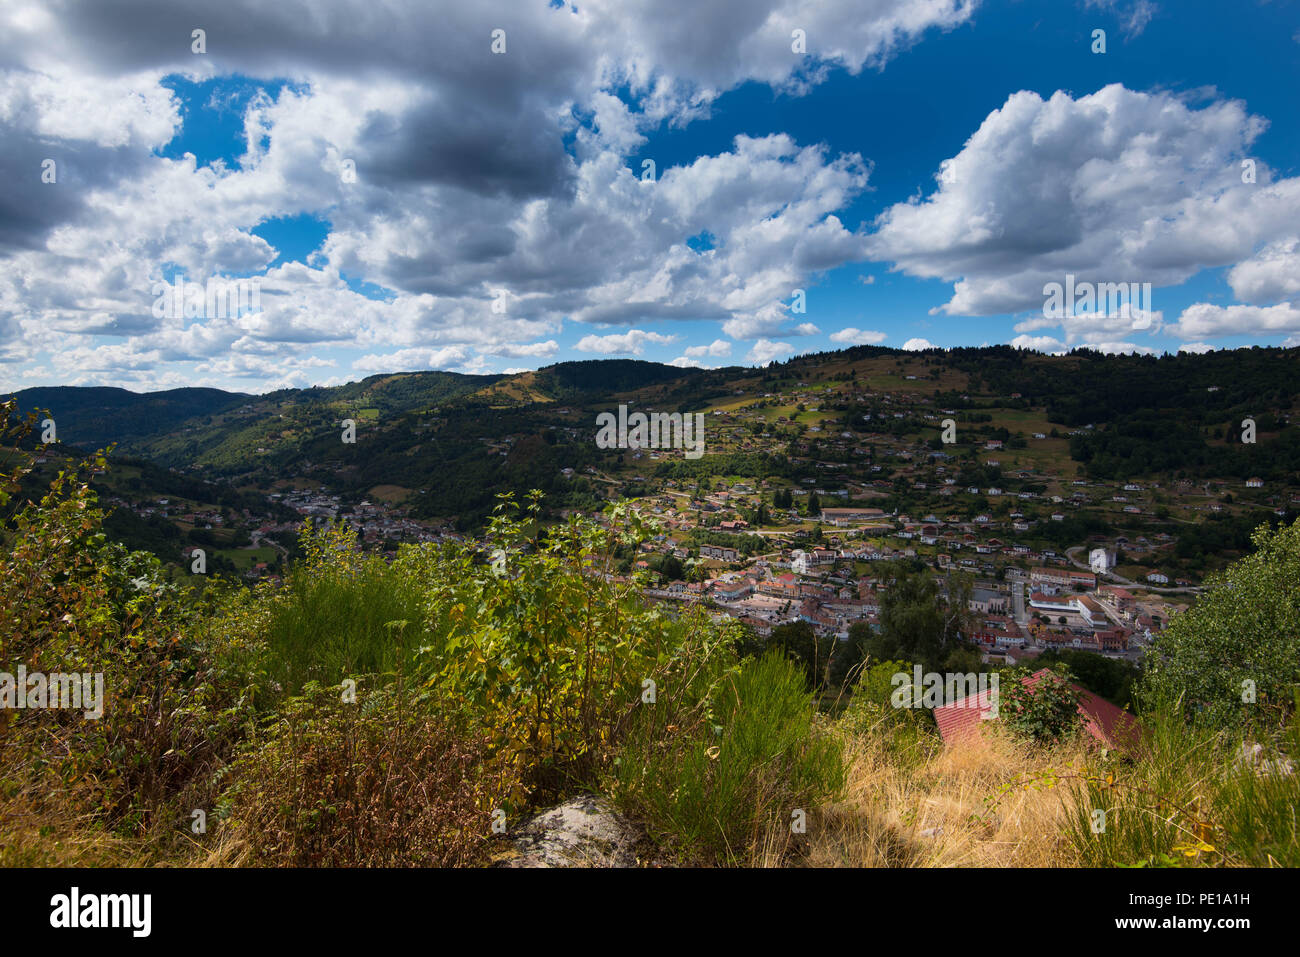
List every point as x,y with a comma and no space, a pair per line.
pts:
850,335
765,350
631,342
1113,186
717,348
1206,320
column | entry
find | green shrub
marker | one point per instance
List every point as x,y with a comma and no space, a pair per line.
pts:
1232,660
549,655
909,735
71,602
1045,713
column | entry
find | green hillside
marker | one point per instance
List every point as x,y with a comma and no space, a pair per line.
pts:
96,416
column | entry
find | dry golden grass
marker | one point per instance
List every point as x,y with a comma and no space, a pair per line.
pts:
229,849
958,806
45,830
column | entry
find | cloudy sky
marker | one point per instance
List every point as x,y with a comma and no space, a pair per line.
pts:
497,185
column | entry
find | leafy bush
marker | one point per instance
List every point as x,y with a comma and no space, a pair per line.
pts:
72,603
873,703
908,736
877,685
1049,711
547,651
1233,659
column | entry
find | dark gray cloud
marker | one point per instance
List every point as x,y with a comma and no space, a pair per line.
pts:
464,184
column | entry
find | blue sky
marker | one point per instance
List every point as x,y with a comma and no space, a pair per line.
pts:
404,197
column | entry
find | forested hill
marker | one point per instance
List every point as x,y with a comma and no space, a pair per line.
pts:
1091,387
97,416
1121,416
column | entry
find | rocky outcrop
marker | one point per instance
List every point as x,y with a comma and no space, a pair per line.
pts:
582,832
1254,756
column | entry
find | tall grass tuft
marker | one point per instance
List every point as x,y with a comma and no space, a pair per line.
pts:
1258,812
343,613
730,789
910,801
1188,799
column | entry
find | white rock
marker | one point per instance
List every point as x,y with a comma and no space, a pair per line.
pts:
583,832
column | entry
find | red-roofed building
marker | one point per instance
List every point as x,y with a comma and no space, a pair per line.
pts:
1112,639
1108,724
784,586
1121,597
